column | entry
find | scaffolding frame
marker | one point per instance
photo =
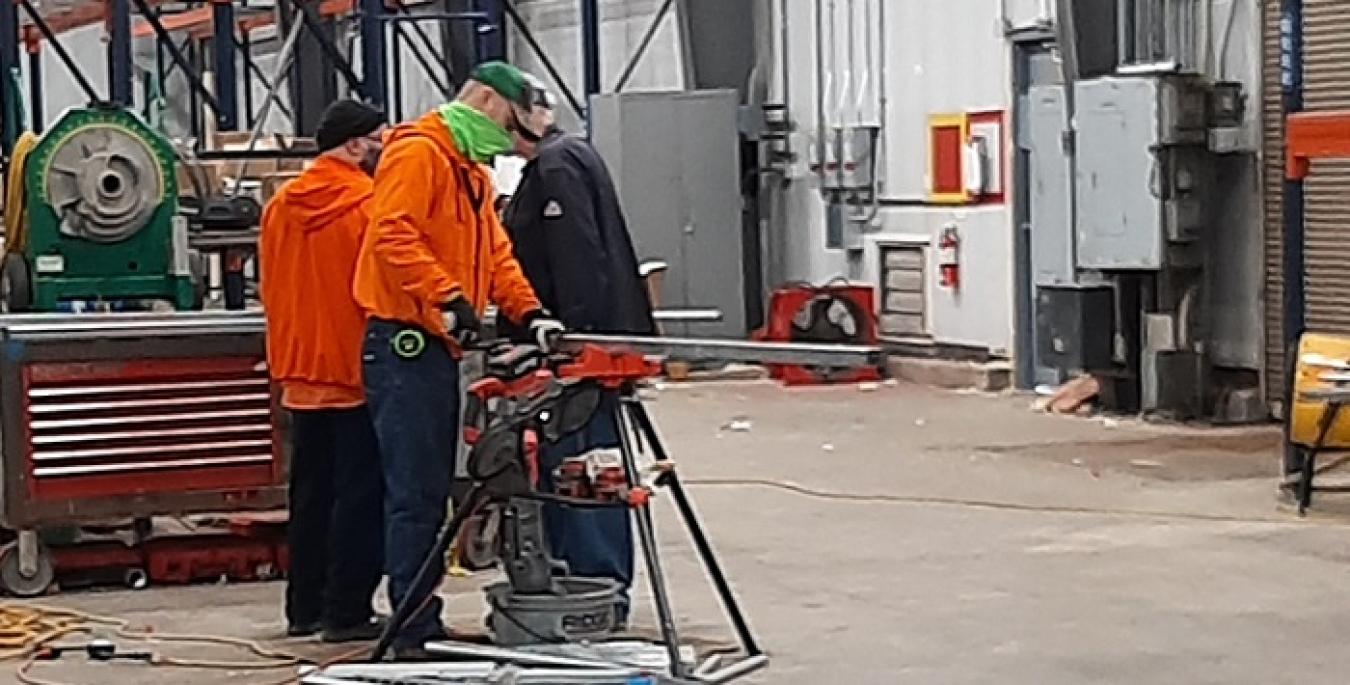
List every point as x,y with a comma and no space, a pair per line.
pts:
228,26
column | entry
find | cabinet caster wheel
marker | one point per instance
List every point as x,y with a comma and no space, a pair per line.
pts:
136,579
13,579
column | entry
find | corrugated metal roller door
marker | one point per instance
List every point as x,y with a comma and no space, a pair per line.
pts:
1327,27
1327,214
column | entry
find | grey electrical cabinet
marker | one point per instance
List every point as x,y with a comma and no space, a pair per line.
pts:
1143,169
675,158
1051,171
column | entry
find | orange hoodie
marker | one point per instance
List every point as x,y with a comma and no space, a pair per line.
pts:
311,236
435,234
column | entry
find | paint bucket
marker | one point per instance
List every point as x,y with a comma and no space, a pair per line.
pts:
582,610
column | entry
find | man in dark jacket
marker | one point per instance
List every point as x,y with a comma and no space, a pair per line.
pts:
572,241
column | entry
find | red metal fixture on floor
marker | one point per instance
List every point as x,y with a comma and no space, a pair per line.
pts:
838,312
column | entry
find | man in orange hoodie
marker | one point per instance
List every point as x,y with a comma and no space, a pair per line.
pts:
433,257
311,236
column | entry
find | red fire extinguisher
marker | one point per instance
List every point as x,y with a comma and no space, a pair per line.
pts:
949,258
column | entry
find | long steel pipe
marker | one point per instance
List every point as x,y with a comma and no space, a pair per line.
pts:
724,350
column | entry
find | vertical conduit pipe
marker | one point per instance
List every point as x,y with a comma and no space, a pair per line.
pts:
1294,268
823,82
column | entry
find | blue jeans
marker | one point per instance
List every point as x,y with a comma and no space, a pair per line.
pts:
595,543
414,402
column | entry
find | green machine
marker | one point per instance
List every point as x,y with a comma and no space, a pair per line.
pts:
101,196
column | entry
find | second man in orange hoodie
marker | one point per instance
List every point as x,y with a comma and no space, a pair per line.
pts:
311,235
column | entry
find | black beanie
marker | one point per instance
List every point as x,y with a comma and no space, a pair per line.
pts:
344,120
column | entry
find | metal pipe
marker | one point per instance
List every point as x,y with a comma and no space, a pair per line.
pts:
738,670
463,651
227,79
643,45
855,80
72,67
1294,268
119,53
283,70
822,85
544,60
726,350
846,81
784,63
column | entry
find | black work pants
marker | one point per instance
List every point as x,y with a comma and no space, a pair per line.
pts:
336,530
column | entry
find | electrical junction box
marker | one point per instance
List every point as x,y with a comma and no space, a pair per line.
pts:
1144,169
850,152
1075,327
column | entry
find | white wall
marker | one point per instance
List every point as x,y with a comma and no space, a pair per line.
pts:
930,58
1237,250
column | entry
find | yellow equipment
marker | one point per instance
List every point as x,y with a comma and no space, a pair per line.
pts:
1320,359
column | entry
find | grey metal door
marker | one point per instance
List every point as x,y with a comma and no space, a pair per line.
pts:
1045,175
675,158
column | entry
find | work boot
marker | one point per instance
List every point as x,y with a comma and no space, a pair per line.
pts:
363,632
303,629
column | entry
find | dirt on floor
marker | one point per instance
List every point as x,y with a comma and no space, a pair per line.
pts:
1172,456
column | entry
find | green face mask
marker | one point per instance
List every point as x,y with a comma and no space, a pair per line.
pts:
477,136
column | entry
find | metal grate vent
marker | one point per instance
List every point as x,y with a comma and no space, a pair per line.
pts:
153,422
903,310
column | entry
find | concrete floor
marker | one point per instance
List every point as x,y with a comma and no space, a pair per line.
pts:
955,538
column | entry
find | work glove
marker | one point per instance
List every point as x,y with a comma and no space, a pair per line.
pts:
544,330
461,321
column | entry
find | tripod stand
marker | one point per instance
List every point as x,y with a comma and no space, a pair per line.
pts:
552,396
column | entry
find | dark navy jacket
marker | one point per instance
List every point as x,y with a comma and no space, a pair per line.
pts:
572,240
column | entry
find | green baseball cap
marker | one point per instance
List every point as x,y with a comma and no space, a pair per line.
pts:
508,81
